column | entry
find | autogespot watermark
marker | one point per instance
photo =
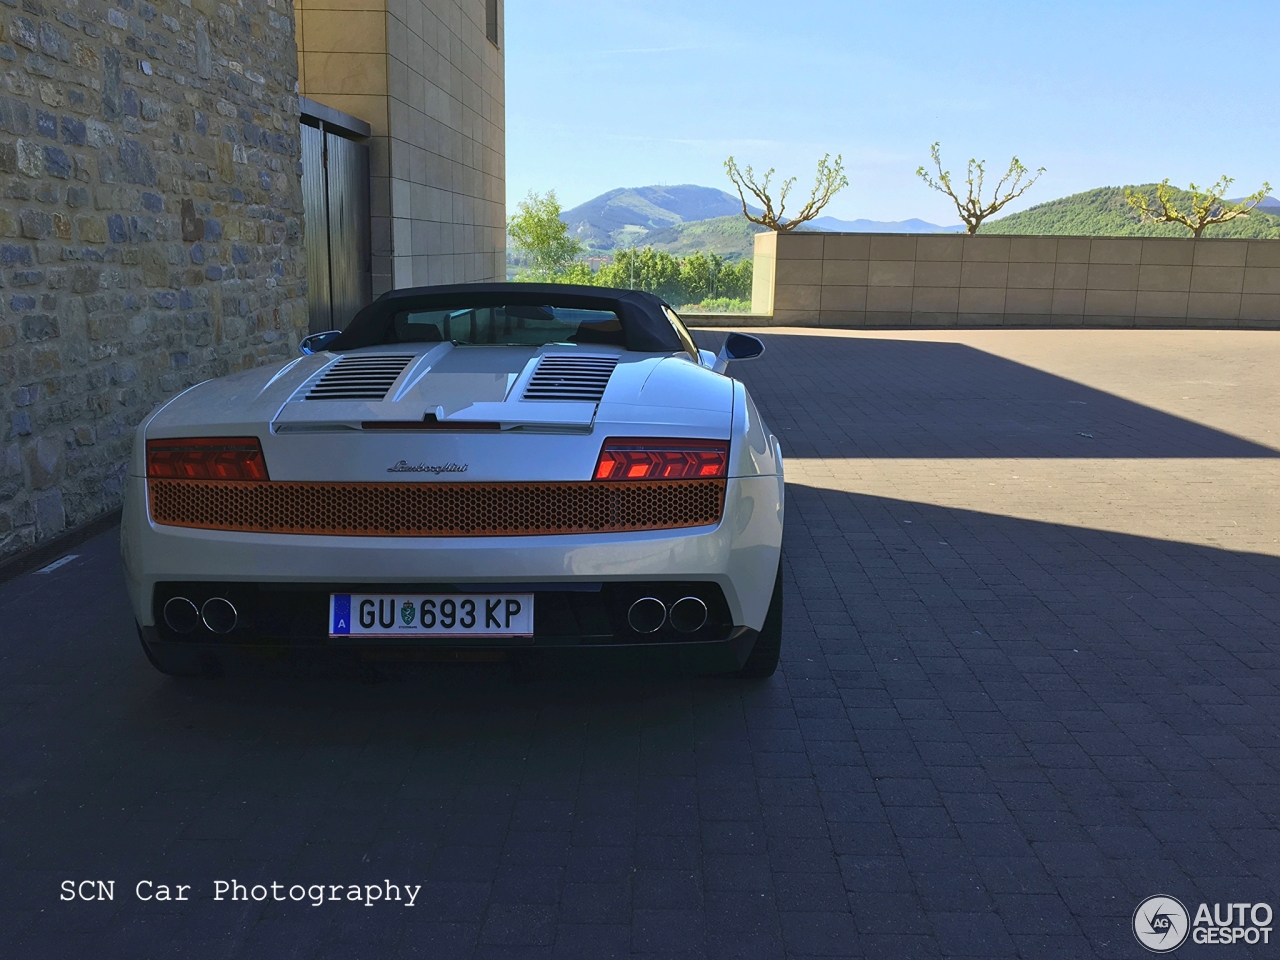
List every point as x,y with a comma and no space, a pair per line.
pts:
1162,924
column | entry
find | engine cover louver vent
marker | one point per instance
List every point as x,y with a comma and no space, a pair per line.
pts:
570,378
360,378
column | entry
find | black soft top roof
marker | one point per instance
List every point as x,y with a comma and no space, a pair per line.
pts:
646,327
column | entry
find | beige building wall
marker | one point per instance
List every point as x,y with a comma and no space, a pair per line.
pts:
857,280
427,78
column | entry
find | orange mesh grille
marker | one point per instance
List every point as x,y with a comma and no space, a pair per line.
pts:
435,509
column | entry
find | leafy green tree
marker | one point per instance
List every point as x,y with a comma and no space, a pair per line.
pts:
537,230
829,181
734,281
654,271
973,209
699,275
1203,208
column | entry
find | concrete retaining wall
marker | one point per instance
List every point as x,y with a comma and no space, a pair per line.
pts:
876,280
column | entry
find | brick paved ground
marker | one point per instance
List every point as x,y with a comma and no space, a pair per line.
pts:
1008,711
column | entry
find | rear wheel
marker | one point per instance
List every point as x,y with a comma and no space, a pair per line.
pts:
763,660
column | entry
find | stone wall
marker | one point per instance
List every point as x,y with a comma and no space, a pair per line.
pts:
428,77
150,229
857,280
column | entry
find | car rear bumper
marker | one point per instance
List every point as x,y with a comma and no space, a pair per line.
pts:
739,555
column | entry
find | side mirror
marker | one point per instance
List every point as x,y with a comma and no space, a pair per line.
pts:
318,341
738,346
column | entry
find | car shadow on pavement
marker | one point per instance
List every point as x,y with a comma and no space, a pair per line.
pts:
873,397
989,736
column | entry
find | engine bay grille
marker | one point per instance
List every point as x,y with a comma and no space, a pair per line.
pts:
435,509
366,377
570,378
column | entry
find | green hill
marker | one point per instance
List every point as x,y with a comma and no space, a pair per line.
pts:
730,237
1104,212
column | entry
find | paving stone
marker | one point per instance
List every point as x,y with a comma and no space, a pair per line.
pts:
991,746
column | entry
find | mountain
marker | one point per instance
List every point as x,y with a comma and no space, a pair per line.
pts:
1104,212
729,237
685,218
832,225
626,216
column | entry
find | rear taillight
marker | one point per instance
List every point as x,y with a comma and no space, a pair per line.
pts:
206,458
646,458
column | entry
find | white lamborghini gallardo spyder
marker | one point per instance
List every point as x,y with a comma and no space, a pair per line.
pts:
482,467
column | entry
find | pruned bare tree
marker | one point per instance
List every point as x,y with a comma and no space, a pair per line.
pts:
829,181
973,209
1207,206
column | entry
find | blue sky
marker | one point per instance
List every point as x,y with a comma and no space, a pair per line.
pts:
609,93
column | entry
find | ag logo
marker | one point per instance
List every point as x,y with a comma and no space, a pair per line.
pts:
1161,923
407,613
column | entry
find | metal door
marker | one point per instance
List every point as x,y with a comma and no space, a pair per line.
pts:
350,268
315,208
337,235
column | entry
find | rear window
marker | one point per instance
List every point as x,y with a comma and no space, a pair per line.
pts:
512,324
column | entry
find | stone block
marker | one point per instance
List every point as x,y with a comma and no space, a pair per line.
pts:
984,274
1213,306
1070,276
981,300
889,299
1113,276
892,247
1260,306
846,246
939,248
1031,274
1115,250
1170,251
1262,280
935,300
346,73
1221,253
799,246
844,273
937,273
843,298
1263,253
992,249
1161,303
805,297
1164,277
1068,302
1033,249
890,273
1028,301
1213,279
799,272
1073,250
1101,303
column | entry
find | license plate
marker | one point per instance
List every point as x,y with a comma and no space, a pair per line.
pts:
466,615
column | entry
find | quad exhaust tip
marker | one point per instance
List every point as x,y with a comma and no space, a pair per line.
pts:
647,615
219,615
181,615
688,614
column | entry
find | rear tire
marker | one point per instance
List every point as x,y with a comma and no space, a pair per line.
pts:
763,659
